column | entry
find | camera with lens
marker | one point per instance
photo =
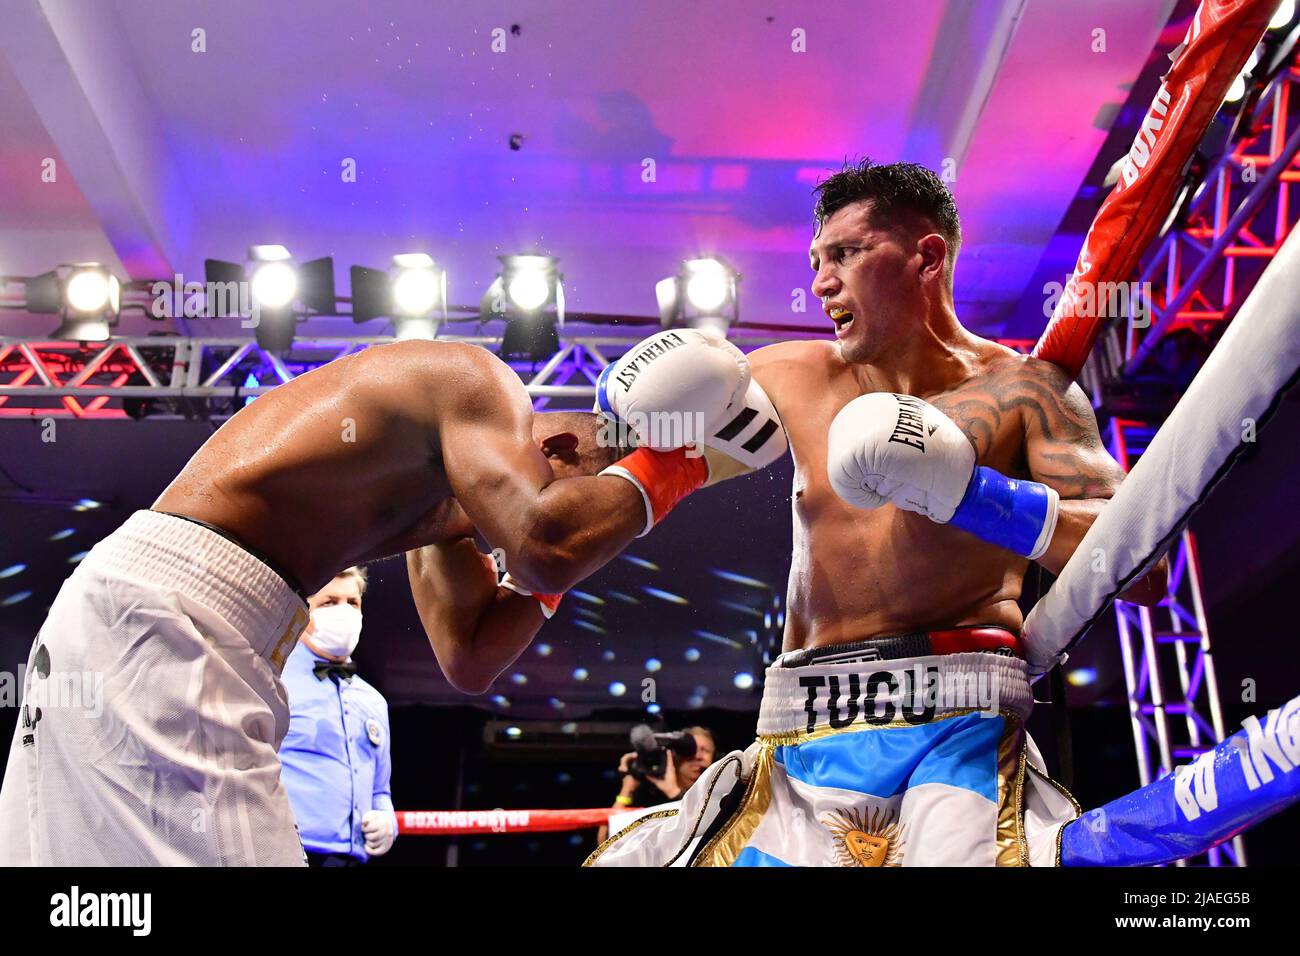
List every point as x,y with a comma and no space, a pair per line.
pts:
652,750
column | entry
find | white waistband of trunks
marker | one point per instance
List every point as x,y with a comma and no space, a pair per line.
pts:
913,689
170,552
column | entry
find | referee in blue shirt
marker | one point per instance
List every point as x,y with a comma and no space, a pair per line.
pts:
336,756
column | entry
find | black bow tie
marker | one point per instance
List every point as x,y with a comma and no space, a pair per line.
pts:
336,669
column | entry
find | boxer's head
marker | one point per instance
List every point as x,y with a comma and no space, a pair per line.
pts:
688,771
885,244
577,443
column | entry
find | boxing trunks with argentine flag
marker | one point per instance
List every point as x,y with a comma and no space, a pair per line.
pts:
896,751
905,750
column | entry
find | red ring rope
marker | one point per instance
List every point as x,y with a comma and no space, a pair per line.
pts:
1220,40
451,822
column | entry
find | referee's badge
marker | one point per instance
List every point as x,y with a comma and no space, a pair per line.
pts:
373,732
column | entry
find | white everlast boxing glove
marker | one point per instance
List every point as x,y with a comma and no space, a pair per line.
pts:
900,449
691,388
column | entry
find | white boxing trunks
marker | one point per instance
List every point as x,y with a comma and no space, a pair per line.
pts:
916,761
153,709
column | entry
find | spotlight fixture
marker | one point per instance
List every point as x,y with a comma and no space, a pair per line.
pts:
413,293
529,294
86,295
703,294
272,280
280,291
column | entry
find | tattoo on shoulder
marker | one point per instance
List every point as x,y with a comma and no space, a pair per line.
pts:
1062,444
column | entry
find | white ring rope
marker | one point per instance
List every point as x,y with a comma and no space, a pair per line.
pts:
1238,389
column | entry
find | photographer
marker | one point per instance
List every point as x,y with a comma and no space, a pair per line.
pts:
665,775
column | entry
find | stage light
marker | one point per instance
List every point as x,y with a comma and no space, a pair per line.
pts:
274,285
280,290
708,285
701,295
92,299
529,294
1082,676
86,295
413,293
92,290
1284,15
530,281
416,286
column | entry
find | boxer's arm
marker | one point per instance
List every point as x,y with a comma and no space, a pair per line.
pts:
476,628
1065,451
554,533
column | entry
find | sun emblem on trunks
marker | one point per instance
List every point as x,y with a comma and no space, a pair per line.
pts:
870,838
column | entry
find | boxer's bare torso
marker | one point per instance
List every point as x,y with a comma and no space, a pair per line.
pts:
858,574
341,465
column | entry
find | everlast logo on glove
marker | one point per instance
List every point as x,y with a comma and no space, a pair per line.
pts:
637,363
910,428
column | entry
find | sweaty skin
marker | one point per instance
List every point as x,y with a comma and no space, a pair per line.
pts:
409,447
857,574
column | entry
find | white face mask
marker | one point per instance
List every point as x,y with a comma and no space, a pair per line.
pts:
337,629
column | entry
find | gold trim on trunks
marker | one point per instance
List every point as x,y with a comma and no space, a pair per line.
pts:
727,843
1078,810
1013,848
727,763
739,763
792,738
609,841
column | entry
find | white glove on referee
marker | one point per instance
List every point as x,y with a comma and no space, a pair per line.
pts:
380,831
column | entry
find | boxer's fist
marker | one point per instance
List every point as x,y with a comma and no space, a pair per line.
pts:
691,387
674,388
749,437
896,448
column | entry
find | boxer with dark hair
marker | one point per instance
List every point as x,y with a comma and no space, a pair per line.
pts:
931,467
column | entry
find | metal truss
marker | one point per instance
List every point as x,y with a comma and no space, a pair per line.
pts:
1201,272
183,377
1234,224
1173,693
